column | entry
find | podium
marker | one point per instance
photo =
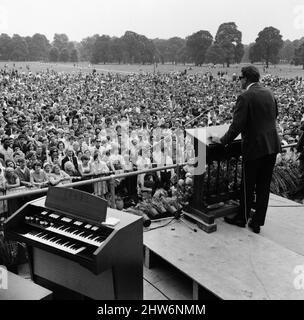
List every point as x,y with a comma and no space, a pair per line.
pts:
217,187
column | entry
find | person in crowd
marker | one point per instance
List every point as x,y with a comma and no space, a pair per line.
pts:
70,169
86,171
6,150
2,185
99,168
47,168
106,157
38,176
10,164
61,150
85,167
59,177
41,153
21,142
79,155
142,163
30,146
31,158
23,172
70,157
162,159
98,146
53,155
12,179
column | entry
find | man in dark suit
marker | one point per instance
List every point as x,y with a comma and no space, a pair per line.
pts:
70,157
299,193
254,117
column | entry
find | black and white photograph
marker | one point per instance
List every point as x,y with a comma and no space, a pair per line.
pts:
151,152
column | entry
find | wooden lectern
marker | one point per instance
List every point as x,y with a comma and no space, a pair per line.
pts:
217,187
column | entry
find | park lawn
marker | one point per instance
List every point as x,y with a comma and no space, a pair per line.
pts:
287,71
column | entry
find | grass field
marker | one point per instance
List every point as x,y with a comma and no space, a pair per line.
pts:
287,71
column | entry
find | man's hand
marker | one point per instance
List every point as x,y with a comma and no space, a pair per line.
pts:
215,139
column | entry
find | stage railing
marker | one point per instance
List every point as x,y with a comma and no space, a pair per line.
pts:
110,178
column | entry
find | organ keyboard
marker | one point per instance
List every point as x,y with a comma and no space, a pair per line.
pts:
69,228
65,233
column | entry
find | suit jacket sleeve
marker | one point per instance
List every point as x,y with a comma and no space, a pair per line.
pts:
300,144
276,105
239,121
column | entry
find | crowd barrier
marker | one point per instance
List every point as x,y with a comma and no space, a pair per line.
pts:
23,192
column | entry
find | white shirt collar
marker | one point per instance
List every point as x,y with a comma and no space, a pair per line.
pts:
251,84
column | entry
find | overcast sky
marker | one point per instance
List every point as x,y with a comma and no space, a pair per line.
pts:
155,19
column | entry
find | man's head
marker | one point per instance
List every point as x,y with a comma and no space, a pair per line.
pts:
22,163
250,74
98,142
70,152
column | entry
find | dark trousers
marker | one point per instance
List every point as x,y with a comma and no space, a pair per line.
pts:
256,179
299,193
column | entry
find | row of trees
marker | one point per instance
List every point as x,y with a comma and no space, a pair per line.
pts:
198,48
270,48
37,48
130,48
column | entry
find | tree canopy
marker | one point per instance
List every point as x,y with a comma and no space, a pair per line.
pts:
229,38
267,46
131,47
299,55
197,45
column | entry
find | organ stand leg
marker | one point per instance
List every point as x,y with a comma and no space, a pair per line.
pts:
29,250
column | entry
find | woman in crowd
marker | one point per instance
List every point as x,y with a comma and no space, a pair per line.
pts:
61,150
142,163
47,167
30,159
12,179
59,177
106,157
38,176
30,147
85,167
99,168
86,172
10,164
54,157
79,155
87,152
41,153
70,169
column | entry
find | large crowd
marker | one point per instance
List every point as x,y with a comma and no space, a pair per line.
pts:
56,128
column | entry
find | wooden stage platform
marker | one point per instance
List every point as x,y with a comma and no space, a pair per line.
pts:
232,263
